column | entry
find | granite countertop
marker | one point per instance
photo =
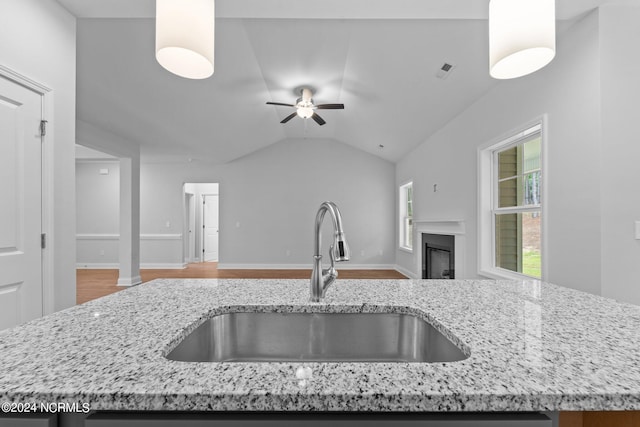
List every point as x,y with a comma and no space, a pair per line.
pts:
533,346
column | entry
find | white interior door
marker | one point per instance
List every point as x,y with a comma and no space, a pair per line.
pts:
210,227
20,204
191,221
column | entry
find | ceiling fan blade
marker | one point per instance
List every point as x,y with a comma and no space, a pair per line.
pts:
330,107
289,117
319,120
280,103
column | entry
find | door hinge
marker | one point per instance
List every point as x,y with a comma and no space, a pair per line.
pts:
43,127
43,240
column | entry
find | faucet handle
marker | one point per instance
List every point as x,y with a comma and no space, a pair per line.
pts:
340,249
329,275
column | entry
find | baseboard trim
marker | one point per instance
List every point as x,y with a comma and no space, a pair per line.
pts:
97,266
162,266
143,266
129,281
117,237
339,266
402,270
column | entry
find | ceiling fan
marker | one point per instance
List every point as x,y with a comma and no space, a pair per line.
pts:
306,109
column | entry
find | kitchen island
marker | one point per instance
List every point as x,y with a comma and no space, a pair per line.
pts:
532,346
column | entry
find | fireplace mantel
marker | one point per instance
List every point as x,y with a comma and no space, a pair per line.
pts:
453,227
442,226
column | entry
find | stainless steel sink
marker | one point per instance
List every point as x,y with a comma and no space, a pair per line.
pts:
317,337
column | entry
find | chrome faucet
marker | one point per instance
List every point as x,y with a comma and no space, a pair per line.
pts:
321,279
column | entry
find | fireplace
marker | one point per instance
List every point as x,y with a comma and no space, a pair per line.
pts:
438,256
440,227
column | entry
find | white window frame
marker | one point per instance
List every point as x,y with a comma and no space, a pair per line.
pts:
487,190
402,214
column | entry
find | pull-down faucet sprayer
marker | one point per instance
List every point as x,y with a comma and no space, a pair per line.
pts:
339,251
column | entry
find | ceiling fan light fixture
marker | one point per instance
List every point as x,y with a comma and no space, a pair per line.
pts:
522,36
305,107
305,112
185,37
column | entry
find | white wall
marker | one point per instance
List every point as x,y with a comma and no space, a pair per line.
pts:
97,212
273,195
620,68
568,92
97,197
38,40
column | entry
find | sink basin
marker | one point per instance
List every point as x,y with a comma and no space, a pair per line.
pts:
316,337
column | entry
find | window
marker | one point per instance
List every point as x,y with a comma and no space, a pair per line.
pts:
406,216
511,207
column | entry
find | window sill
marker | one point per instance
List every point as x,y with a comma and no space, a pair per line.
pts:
502,274
407,250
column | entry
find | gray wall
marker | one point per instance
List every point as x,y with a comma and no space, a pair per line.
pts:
620,71
274,195
268,202
568,92
97,197
97,213
39,42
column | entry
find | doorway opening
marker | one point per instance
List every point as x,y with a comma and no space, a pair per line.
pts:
201,210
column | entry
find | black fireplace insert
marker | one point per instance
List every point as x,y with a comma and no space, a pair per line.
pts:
438,256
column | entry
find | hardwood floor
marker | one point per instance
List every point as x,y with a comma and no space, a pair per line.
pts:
92,284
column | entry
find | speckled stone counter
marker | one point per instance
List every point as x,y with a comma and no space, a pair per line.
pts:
531,346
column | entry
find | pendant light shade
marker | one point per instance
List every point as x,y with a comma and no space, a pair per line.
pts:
522,36
185,37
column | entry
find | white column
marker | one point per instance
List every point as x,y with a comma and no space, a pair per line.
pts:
129,222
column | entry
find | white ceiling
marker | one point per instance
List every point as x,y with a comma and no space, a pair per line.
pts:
383,70
326,9
84,153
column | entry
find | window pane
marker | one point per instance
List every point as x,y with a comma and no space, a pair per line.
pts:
519,175
507,233
408,237
531,184
532,155
508,163
508,193
518,243
406,216
531,244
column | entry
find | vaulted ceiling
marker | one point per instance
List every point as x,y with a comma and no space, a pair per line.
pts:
378,58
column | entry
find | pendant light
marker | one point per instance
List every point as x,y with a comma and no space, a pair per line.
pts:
522,36
185,37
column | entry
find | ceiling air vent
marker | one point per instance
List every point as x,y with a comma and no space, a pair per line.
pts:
444,71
